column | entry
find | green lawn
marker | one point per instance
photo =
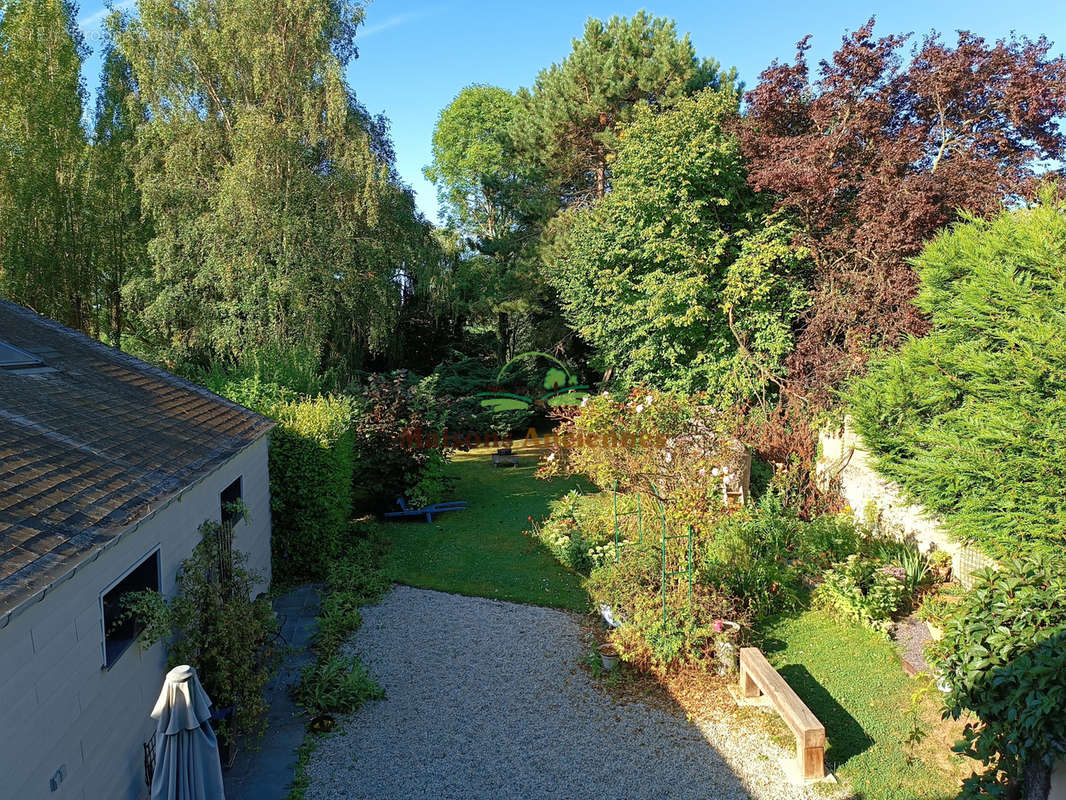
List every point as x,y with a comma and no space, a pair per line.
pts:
482,551
852,680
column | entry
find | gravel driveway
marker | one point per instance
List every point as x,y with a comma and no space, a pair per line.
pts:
485,699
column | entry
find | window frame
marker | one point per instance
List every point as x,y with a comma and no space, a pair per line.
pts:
154,552
223,516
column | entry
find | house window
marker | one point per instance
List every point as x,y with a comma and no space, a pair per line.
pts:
120,631
230,500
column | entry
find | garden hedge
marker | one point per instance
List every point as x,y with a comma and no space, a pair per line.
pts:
311,467
971,419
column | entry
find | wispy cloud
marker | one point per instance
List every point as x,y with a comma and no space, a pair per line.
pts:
391,22
93,21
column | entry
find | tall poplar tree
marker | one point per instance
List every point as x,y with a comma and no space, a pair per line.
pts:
119,233
43,261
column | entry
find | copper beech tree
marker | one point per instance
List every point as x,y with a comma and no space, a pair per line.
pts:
873,155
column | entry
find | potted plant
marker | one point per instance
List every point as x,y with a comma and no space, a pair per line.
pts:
608,655
934,612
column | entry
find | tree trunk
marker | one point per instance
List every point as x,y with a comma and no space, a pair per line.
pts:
1037,780
503,337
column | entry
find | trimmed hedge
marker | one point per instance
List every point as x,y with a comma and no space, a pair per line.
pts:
971,420
311,466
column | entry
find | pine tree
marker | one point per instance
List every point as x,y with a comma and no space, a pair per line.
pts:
575,109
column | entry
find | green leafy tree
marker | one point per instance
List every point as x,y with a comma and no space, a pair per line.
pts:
42,161
670,276
494,201
119,234
279,220
575,109
971,419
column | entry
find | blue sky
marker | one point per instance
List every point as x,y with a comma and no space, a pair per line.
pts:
414,57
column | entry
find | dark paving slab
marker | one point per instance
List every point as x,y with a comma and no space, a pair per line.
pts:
266,773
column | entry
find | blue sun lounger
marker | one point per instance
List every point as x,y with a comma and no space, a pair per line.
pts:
428,511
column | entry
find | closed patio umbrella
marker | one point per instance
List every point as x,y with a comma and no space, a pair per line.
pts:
187,766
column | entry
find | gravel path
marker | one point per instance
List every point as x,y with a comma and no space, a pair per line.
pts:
485,699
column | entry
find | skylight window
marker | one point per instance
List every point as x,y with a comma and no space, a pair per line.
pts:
13,358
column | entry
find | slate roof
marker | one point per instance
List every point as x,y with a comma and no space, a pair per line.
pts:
90,442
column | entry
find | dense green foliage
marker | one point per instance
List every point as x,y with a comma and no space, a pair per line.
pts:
334,683
118,231
43,262
643,273
864,590
312,462
575,109
971,420
494,200
260,171
1004,655
214,625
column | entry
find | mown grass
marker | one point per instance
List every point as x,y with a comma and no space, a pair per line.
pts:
853,681
482,551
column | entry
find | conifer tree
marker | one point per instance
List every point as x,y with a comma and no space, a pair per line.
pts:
575,109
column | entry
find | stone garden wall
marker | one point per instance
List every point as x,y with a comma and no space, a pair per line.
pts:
843,457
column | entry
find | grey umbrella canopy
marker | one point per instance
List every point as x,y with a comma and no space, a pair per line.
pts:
187,766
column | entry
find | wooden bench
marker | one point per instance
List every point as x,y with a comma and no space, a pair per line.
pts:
760,684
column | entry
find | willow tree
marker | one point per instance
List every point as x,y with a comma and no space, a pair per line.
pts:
42,152
278,218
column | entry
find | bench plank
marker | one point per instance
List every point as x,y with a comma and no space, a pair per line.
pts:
758,677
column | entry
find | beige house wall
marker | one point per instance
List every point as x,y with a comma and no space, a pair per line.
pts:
63,716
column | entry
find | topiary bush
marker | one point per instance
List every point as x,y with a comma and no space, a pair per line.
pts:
971,420
1004,656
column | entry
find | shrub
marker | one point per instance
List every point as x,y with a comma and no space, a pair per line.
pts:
765,556
971,420
214,625
311,467
336,685
399,448
864,589
1004,655
453,387
579,530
